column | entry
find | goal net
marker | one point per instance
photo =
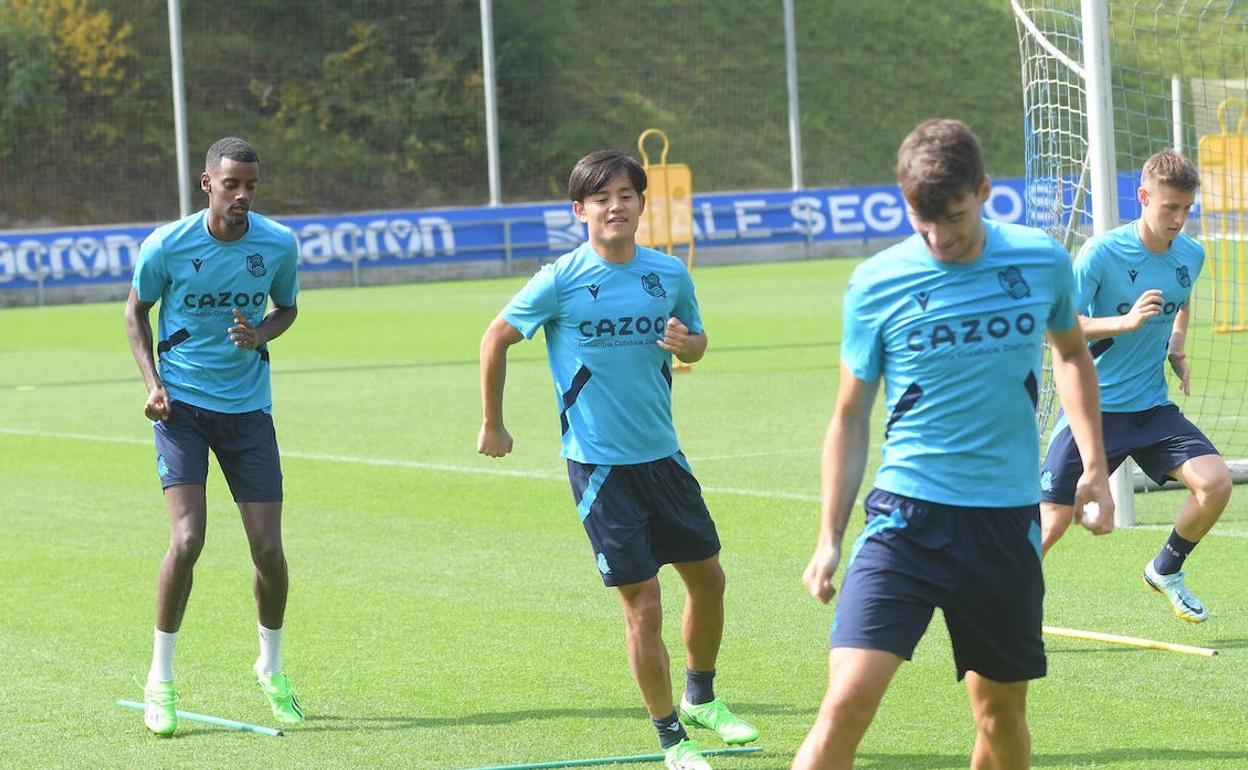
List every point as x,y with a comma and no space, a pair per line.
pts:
1178,73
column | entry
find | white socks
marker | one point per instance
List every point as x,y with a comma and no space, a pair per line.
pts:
162,657
270,660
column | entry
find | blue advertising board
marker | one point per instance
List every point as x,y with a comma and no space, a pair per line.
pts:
544,230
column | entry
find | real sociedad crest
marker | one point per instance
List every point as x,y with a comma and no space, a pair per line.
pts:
1012,281
653,286
255,265
1185,278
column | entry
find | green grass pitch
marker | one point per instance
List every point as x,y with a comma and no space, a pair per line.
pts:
445,610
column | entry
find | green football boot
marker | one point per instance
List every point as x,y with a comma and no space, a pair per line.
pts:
716,716
685,756
160,707
281,697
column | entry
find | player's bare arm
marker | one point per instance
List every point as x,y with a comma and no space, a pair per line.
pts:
1146,306
245,335
677,340
843,465
494,440
1177,353
139,334
1074,375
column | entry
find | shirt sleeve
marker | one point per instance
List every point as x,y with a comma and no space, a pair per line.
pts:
150,275
862,345
1062,314
286,283
686,309
535,304
1087,278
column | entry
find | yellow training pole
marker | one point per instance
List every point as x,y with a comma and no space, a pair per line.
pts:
667,221
1241,286
1129,641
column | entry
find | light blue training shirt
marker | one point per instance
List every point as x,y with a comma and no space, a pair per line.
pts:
602,323
959,347
1111,272
198,281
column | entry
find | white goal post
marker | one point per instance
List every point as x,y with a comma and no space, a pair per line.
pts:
1106,83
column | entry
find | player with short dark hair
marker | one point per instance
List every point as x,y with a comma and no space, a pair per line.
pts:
1133,285
614,313
214,274
953,320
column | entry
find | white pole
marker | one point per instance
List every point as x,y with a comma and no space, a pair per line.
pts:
1104,183
491,106
1176,99
795,123
179,109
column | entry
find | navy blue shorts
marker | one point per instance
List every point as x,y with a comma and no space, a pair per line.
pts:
245,445
640,517
1158,439
980,566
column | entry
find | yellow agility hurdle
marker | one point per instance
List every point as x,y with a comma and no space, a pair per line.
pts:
1223,227
667,221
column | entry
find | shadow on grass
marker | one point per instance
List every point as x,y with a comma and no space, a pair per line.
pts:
1228,644
188,730
336,723
1109,758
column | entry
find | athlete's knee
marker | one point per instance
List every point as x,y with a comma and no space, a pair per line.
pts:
643,607
1214,490
269,557
856,684
1002,723
845,710
704,579
185,544
711,582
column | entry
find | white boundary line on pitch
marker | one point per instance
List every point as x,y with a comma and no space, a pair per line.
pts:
413,464
1215,531
471,469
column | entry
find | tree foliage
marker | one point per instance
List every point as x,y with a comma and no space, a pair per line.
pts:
375,104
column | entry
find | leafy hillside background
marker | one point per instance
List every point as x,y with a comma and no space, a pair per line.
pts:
374,104
357,104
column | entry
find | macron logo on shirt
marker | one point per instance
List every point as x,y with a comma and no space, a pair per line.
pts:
922,297
198,263
593,290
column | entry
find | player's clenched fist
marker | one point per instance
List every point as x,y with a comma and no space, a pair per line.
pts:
1148,304
493,442
675,337
817,576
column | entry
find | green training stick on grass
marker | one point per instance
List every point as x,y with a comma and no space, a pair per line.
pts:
190,716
